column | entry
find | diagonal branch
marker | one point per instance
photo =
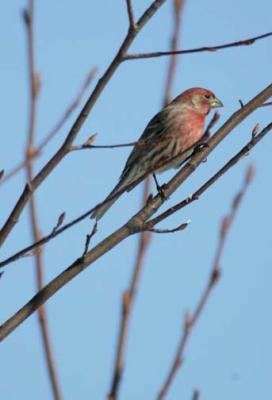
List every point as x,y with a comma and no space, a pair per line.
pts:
238,43
34,85
65,148
132,24
136,223
255,139
191,320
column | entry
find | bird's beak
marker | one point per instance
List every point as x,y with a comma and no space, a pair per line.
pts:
215,103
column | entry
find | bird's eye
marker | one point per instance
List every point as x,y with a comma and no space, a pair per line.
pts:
208,96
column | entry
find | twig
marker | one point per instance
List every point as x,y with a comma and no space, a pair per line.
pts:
106,146
154,54
34,82
191,320
143,244
65,148
132,24
89,238
52,133
151,223
59,223
269,103
179,228
136,223
213,121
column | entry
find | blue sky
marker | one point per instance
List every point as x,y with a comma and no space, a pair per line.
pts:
229,354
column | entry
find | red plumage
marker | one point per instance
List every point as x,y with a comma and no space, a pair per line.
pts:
167,140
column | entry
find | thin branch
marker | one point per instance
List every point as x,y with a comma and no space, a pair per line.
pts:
191,320
65,148
131,18
34,83
127,303
59,223
155,54
177,12
52,133
136,223
89,238
144,241
107,146
179,228
269,103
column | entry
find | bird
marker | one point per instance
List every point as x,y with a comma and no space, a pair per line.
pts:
167,141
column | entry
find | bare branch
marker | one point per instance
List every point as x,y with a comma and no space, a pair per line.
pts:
127,303
34,85
179,228
59,223
269,103
190,320
89,238
151,223
155,54
65,148
213,121
135,224
177,11
131,18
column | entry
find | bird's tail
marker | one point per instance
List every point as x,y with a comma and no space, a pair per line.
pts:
100,211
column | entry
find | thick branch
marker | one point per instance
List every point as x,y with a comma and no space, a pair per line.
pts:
151,223
136,223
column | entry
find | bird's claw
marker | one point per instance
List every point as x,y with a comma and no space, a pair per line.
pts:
161,192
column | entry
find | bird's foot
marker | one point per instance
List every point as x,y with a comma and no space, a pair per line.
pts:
162,192
160,188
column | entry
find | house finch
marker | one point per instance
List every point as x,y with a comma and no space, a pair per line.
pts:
167,141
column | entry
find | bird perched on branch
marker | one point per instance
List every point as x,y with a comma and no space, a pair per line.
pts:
167,141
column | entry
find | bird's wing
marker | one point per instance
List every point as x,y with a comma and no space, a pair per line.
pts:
153,132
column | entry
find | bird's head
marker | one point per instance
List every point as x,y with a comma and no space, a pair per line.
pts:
198,99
